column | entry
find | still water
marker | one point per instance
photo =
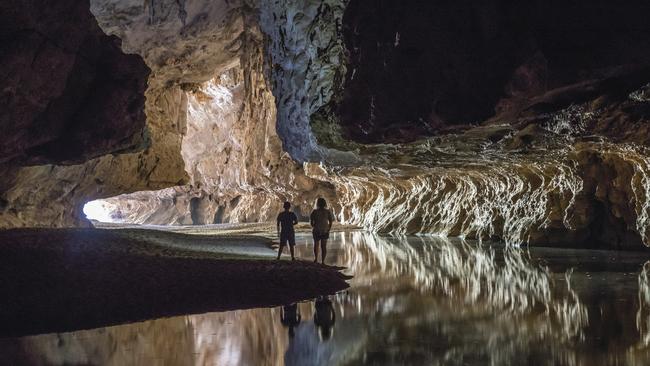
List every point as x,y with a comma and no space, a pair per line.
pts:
412,301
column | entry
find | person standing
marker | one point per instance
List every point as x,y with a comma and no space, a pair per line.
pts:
321,220
286,221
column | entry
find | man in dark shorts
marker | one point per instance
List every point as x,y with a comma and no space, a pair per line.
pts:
286,221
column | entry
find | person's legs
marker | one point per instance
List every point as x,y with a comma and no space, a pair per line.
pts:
283,243
316,245
280,249
316,242
292,244
323,247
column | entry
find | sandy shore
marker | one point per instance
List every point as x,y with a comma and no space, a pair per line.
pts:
258,229
55,280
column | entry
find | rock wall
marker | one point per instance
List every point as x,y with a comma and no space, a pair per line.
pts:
551,178
431,66
69,93
234,157
185,45
168,38
308,66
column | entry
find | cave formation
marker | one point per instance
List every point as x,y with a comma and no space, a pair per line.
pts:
446,118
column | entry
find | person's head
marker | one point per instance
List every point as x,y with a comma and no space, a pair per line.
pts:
321,203
287,205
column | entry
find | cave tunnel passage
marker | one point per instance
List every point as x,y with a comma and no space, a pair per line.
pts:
423,68
162,207
171,206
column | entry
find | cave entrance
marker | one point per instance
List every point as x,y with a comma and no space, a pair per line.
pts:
102,211
181,205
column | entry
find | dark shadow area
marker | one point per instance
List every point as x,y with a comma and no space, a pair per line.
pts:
421,68
69,93
63,280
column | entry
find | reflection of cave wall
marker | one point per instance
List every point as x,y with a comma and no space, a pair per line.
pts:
230,338
419,68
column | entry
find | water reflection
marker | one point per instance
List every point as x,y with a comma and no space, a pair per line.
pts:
324,317
290,318
412,301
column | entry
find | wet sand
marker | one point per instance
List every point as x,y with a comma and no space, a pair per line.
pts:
55,280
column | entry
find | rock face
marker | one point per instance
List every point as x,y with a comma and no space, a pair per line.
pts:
308,66
54,195
232,146
542,126
419,68
238,170
69,93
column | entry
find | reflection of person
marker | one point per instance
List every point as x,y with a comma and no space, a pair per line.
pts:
324,317
321,220
286,221
290,317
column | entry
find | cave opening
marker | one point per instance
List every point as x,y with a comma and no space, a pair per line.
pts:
101,211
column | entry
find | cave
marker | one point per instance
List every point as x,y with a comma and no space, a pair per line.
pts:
437,170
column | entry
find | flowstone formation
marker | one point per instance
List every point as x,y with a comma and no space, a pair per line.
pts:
503,131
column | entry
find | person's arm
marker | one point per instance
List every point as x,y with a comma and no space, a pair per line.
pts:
330,219
295,219
278,225
311,219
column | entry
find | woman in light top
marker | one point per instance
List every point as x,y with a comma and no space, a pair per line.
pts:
321,220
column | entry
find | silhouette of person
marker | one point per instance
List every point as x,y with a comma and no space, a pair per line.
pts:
290,317
286,221
324,317
321,220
